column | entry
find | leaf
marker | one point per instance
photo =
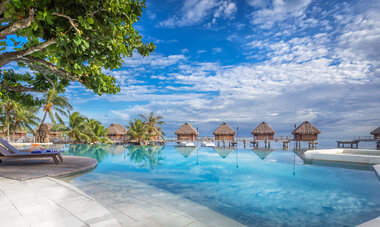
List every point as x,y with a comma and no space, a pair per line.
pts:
49,19
17,3
90,20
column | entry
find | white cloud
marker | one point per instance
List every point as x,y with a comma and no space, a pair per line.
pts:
278,11
195,11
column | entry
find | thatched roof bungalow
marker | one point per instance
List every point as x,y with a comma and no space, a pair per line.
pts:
117,133
263,132
306,132
186,133
224,132
376,133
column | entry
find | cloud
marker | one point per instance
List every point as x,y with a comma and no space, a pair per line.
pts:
278,11
217,50
196,11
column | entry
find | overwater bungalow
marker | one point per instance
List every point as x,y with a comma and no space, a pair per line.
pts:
263,132
224,151
117,133
224,132
186,133
376,133
306,132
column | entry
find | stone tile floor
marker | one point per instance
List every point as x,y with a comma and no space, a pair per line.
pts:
49,202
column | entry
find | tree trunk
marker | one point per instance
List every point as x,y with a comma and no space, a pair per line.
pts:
43,119
8,125
8,57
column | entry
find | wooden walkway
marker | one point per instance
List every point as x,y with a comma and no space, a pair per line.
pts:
355,142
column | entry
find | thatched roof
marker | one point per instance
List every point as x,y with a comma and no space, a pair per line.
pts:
263,129
262,153
224,130
117,129
50,126
224,151
185,151
306,128
376,131
186,129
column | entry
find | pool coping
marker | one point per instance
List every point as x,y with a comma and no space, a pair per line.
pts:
26,169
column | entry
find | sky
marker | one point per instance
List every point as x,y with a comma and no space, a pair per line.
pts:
247,61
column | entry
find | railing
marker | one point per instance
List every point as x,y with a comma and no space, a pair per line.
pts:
364,138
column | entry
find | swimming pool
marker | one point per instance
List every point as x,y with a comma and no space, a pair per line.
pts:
254,187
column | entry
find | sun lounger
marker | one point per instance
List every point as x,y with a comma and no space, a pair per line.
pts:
7,151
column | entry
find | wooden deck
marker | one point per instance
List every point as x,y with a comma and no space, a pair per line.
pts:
355,142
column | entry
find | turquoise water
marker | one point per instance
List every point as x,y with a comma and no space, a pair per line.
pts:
254,187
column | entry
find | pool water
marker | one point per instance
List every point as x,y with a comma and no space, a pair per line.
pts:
254,187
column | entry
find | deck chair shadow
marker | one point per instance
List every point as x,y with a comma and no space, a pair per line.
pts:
7,151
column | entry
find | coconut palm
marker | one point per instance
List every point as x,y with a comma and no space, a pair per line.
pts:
78,129
153,123
24,118
9,106
138,130
99,132
56,103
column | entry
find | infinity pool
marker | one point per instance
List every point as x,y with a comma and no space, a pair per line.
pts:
253,187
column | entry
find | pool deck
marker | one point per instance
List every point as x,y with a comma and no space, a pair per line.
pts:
25,169
361,156
49,202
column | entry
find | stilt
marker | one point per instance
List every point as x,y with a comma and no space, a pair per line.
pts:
224,143
266,144
245,142
269,144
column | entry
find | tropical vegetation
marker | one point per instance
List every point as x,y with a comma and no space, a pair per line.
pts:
145,129
16,116
82,130
54,102
63,41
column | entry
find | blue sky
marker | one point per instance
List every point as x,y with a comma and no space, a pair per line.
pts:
244,62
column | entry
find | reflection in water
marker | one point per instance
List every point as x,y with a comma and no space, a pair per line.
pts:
223,151
186,151
262,152
146,156
98,151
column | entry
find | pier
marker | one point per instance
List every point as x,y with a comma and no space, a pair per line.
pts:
355,142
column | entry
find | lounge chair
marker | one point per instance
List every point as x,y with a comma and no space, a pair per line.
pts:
8,151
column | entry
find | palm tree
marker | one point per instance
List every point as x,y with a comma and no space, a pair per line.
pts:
99,132
54,102
23,118
138,130
153,123
9,106
78,129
